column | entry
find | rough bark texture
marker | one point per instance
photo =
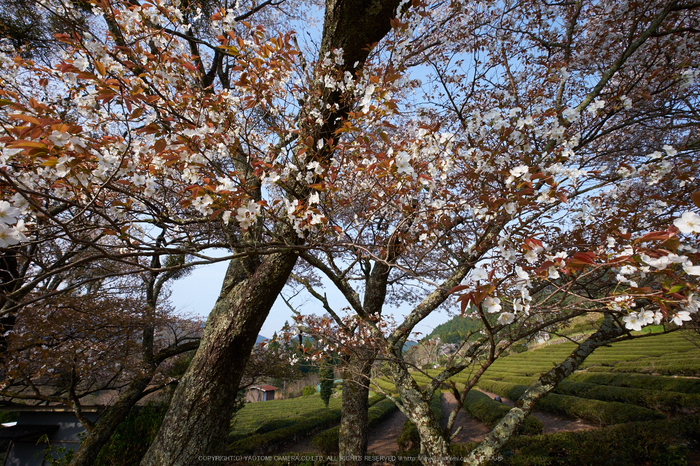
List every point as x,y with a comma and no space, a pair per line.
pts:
416,406
109,420
353,436
355,25
197,422
500,434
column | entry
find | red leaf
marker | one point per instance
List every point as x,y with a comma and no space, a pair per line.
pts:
655,236
27,118
159,146
457,288
696,198
586,257
464,302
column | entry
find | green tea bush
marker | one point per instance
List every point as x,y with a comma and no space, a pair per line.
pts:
655,443
264,443
603,413
663,401
483,408
274,425
596,411
643,381
254,415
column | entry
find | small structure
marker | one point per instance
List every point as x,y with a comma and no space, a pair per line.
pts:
42,431
261,393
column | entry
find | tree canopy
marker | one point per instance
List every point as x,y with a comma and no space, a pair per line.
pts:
534,161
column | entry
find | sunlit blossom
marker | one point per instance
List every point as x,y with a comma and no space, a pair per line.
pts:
689,222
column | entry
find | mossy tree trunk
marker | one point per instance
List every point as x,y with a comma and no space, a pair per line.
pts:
197,422
198,419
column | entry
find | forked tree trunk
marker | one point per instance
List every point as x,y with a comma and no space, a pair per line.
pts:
197,422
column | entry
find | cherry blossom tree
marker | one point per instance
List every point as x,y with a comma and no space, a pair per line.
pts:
547,145
160,132
556,149
111,343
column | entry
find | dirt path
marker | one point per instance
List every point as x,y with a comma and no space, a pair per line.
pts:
472,430
552,423
383,436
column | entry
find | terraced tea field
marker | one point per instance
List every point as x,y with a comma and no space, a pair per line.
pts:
644,394
625,382
261,417
630,390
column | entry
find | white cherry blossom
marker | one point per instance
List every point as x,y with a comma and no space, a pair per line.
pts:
479,274
680,317
506,318
8,213
633,322
492,304
689,222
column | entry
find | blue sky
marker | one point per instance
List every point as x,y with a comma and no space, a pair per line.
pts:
196,294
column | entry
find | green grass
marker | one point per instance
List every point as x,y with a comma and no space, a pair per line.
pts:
254,416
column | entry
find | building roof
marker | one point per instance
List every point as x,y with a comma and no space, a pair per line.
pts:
266,388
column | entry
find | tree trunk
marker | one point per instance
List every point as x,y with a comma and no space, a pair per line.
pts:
433,446
109,420
354,435
197,422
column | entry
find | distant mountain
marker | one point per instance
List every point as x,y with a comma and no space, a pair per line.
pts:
409,345
456,329
260,338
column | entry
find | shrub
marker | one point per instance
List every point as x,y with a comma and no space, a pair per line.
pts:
643,381
599,412
274,425
604,413
480,406
302,427
132,438
308,390
662,443
667,402
326,374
